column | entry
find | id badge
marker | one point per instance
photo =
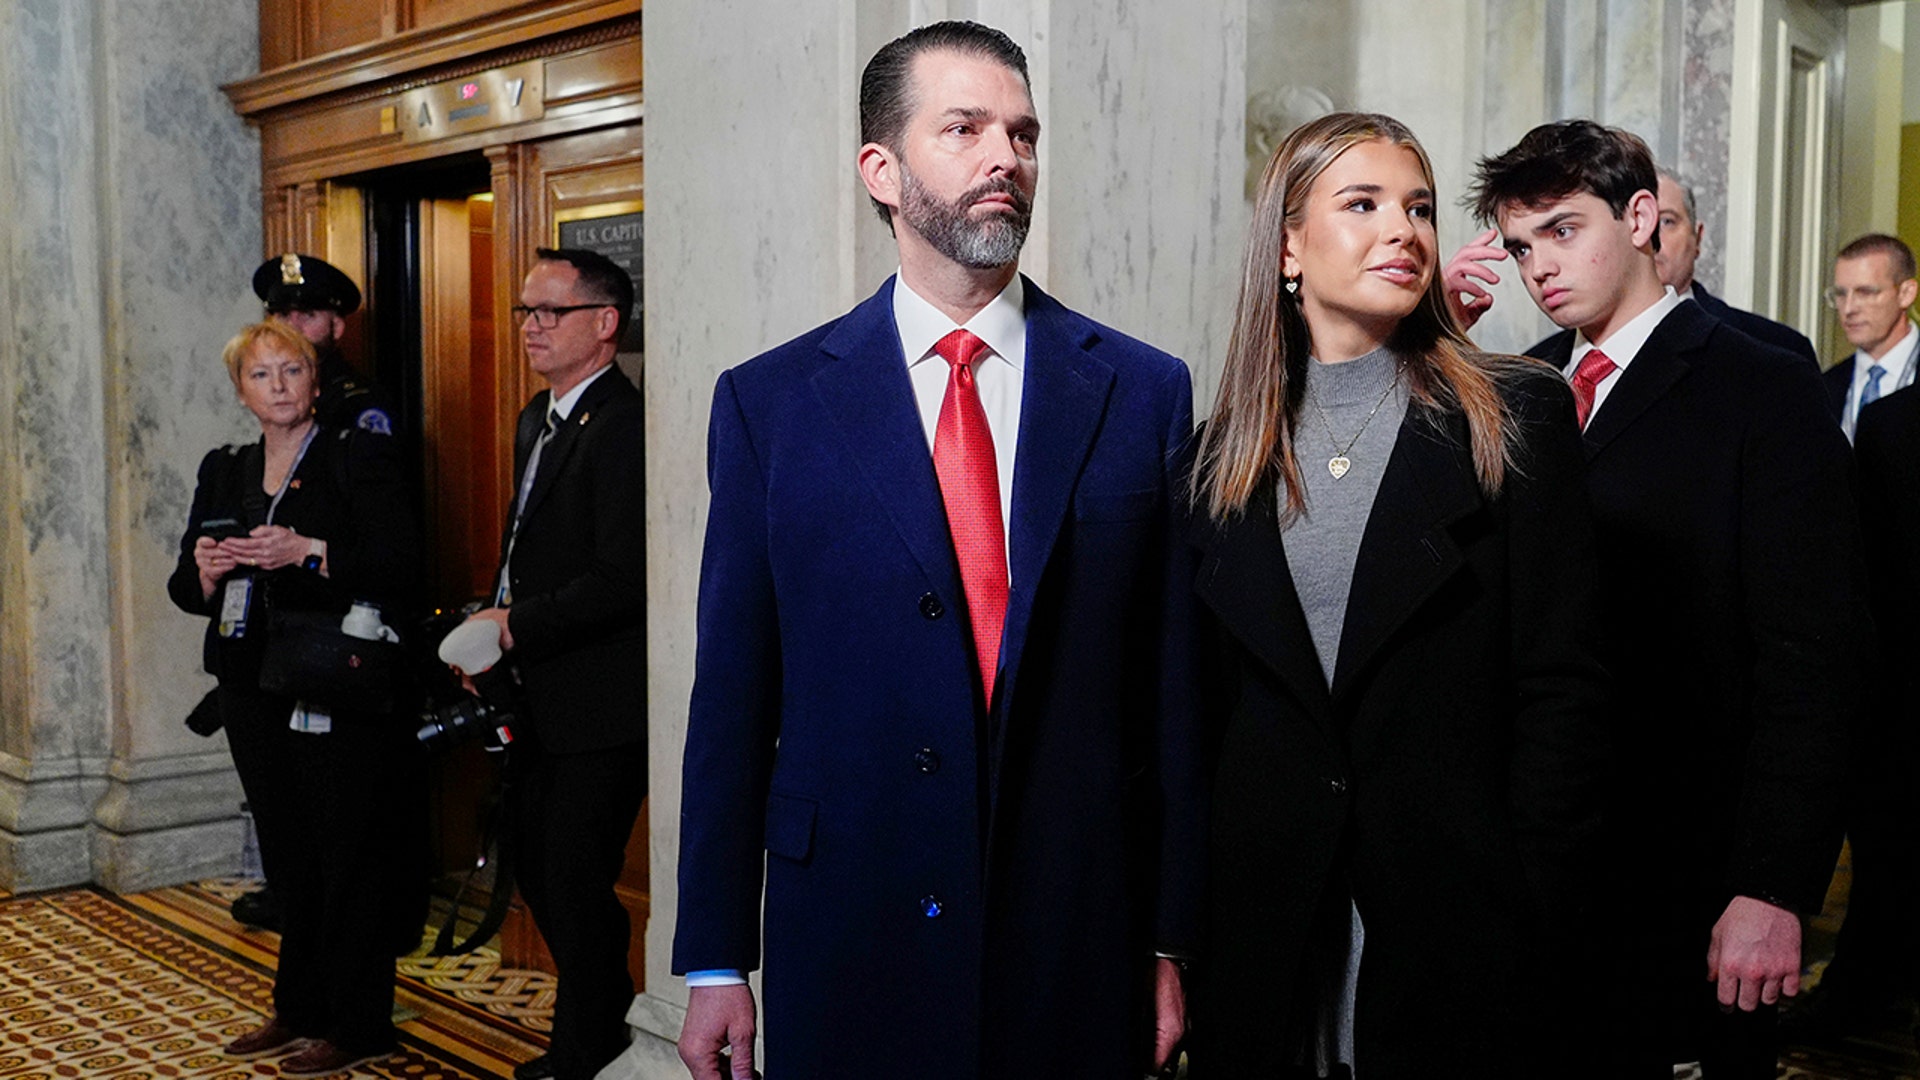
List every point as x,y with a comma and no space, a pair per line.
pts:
233,607
310,719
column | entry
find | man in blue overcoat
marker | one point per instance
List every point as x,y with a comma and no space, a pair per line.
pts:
942,708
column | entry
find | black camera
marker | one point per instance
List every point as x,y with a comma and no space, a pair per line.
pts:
488,716
452,716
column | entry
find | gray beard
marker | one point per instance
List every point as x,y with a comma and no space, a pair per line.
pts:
979,245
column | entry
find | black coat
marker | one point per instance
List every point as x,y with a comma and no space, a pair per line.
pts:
1735,611
1447,783
579,571
1758,327
1887,447
349,491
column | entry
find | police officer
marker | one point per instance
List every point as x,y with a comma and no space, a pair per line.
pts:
315,297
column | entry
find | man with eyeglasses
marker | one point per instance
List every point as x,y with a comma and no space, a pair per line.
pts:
570,606
1873,395
1873,288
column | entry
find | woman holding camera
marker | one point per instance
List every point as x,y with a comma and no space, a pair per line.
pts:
307,520
1398,568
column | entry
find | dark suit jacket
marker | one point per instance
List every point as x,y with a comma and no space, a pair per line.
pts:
1758,327
1838,380
1734,605
946,897
579,571
347,490
1448,780
1887,447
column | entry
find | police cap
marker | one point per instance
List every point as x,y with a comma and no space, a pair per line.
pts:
293,282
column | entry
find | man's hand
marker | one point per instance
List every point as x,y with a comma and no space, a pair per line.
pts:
1169,1012
718,1017
1754,954
497,616
1468,263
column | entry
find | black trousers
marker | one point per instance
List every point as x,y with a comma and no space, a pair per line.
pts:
1876,955
572,815
332,811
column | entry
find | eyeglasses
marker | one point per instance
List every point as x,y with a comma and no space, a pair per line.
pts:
1866,294
547,317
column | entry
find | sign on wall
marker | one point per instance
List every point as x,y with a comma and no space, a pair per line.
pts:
619,237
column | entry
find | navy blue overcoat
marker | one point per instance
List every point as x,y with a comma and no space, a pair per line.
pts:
949,893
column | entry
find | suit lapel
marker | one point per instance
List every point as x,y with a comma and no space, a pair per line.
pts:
1660,363
1062,398
1407,550
869,398
1839,380
1244,580
559,448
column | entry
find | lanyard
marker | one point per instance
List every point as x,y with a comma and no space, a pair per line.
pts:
287,480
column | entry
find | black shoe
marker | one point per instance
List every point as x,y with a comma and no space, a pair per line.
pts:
260,909
540,1068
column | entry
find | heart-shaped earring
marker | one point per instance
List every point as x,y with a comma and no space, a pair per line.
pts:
1293,286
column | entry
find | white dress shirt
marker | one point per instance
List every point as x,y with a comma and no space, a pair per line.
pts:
564,403
1621,346
1898,364
997,373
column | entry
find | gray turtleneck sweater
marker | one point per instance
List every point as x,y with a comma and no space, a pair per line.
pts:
1323,543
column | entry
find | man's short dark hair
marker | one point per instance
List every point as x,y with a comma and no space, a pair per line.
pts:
886,87
600,279
1894,248
1565,158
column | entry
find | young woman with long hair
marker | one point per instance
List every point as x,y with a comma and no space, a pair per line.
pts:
1397,566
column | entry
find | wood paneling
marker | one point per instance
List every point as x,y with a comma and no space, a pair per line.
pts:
279,33
310,74
427,14
338,24
613,68
461,406
589,79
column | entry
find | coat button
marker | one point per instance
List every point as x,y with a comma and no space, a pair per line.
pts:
931,607
930,906
926,760
1337,785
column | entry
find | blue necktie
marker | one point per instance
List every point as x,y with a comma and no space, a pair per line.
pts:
1870,393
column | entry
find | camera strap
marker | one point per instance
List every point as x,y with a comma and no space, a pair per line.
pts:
496,851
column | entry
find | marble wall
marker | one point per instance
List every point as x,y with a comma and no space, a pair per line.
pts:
133,221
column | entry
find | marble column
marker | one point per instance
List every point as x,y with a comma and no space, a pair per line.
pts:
131,228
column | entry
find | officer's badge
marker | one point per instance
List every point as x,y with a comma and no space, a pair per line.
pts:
290,272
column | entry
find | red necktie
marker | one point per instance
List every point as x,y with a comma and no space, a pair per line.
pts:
970,488
1593,370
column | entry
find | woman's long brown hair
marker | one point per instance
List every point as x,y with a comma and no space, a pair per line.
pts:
1249,440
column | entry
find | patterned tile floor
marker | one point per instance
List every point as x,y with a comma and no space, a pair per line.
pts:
151,985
